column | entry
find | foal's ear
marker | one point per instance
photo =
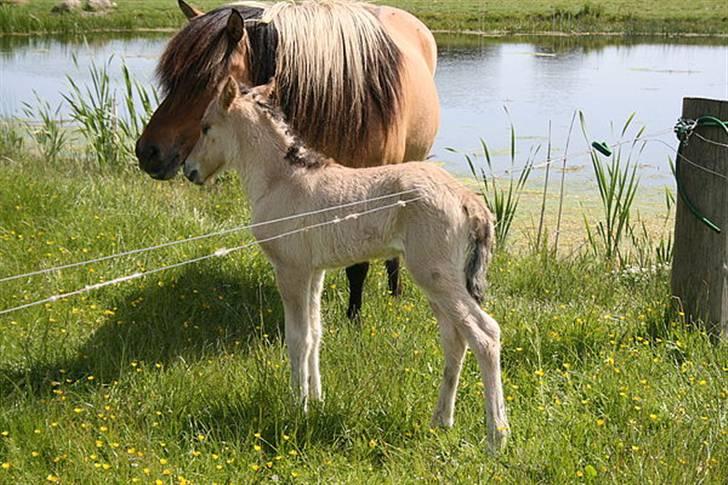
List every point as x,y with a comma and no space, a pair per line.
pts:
189,11
235,27
229,93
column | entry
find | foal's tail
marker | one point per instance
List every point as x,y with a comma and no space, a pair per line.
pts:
480,245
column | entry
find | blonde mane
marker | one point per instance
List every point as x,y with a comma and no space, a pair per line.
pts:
337,71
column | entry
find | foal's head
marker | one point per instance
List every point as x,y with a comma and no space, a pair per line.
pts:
239,116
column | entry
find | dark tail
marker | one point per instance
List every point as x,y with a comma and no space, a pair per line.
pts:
480,246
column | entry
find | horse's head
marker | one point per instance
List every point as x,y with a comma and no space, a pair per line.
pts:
232,115
196,62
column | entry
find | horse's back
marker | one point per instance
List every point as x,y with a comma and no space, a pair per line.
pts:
419,119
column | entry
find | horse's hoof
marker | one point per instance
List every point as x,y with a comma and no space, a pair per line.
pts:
395,291
353,312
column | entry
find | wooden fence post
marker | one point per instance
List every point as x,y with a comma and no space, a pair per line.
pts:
700,259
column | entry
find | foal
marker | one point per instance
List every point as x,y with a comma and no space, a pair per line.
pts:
445,236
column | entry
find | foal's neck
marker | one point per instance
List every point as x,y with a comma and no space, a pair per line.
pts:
273,155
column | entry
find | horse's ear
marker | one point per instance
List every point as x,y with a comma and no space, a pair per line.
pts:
235,27
265,90
189,11
229,93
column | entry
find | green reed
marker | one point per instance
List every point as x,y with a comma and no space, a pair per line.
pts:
503,199
45,127
11,139
110,136
617,182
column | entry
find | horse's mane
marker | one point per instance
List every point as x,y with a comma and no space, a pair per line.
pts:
337,71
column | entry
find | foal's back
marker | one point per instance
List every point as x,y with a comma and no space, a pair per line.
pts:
433,211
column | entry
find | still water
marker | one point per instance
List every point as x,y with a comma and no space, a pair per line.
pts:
536,79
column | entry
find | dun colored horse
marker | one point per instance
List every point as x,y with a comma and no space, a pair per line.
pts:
354,80
445,235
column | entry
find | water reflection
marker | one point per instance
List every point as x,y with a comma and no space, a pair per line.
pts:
538,79
547,79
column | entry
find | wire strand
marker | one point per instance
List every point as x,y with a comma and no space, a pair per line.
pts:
217,254
200,237
709,141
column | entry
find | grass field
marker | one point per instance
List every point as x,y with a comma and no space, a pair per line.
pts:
704,17
184,377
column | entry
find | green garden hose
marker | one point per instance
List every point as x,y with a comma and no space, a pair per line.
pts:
683,129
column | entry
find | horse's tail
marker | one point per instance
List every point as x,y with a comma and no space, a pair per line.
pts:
481,241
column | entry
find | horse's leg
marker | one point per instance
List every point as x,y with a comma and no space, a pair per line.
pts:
395,287
314,308
453,346
294,285
356,275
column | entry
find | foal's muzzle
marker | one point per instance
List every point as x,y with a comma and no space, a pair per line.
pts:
193,175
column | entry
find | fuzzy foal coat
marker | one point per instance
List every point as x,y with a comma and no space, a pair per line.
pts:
445,235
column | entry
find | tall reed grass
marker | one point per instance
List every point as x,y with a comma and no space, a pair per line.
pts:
502,198
110,135
45,127
618,182
11,139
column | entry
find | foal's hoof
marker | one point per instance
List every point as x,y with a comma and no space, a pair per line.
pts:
498,439
440,421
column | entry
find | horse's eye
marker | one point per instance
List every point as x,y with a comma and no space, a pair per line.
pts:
205,129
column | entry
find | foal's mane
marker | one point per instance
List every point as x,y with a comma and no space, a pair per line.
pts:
297,153
337,71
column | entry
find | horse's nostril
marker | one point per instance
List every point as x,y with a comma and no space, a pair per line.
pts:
146,152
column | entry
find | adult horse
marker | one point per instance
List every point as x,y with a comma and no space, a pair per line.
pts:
354,80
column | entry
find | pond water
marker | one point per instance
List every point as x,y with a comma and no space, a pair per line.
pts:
537,79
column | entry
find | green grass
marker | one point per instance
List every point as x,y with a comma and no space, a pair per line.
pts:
185,375
703,17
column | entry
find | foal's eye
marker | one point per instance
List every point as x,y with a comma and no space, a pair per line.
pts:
205,129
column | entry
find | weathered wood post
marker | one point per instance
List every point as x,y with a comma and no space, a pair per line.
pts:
700,260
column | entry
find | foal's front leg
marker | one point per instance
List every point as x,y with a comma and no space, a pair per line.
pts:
294,285
314,308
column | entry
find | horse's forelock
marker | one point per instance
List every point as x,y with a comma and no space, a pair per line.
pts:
198,56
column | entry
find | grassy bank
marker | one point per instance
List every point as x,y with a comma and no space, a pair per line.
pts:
703,17
184,376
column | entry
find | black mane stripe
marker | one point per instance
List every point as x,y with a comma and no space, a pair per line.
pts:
298,153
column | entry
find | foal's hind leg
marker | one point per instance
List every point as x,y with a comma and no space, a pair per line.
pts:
483,335
356,275
450,299
453,346
395,286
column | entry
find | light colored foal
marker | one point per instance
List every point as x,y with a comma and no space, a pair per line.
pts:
445,235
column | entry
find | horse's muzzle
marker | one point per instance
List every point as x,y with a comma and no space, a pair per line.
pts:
150,160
